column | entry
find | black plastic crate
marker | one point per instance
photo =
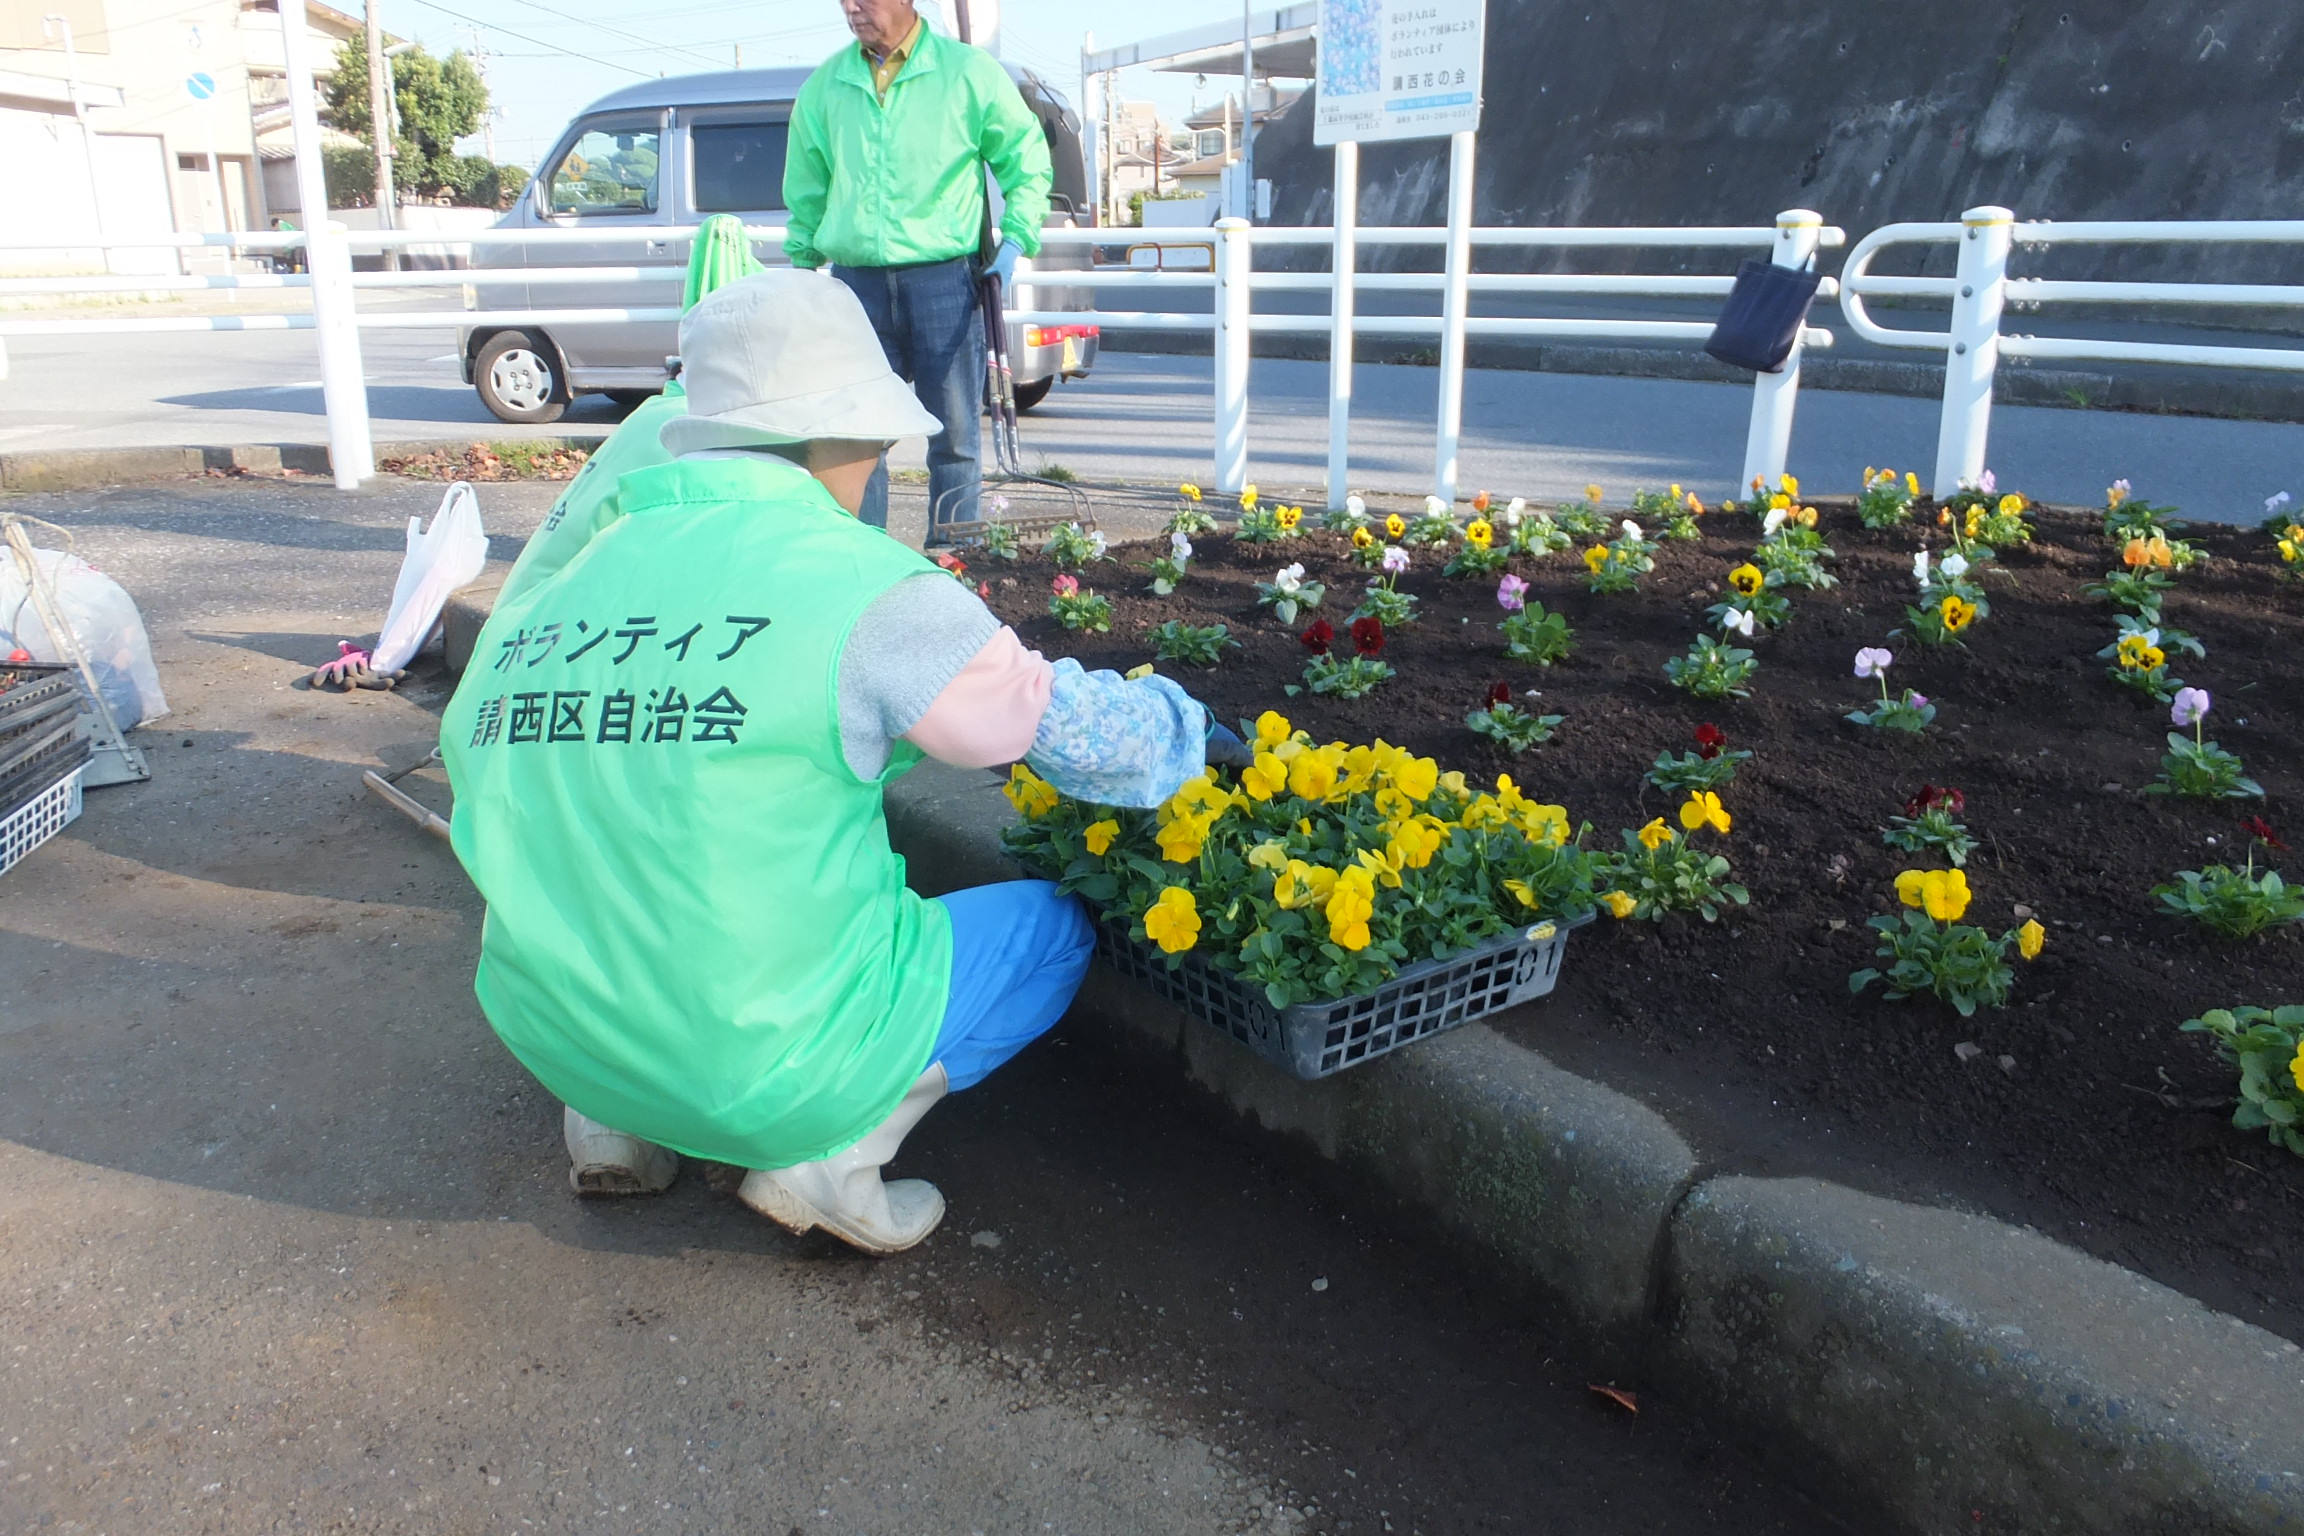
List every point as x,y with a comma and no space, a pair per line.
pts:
1314,1040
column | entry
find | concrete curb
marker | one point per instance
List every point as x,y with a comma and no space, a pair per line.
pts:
83,469
1934,1371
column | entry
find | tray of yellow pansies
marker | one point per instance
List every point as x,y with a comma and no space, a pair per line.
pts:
1326,905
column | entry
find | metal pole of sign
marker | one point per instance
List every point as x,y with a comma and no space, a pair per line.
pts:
351,451
380,129
1768,440
1986,236
1342,263
1455,300
1247,112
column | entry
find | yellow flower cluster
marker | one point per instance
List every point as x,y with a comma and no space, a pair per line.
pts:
2291,545
1032,795
1941,893
2153,551
2138,654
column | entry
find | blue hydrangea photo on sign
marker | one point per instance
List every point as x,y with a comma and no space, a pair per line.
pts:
1351,47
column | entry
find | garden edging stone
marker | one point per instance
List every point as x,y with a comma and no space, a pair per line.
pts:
1942,1371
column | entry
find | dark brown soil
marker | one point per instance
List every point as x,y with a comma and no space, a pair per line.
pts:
2106,1126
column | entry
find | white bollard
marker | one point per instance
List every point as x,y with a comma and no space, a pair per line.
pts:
1344,259
1233,264
1455,300
1768,442
1973,351
328,256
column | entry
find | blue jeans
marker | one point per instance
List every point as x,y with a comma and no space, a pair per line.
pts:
1019,950
930,322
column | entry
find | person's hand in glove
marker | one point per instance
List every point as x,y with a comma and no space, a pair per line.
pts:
1226,749
1003,263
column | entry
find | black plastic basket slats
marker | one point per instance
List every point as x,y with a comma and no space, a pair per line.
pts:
1313,1040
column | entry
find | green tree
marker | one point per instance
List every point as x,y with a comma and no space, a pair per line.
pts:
440,101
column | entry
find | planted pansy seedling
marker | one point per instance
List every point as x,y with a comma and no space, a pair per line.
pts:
2237,903
1908,712
1507,724
1930,950
2198,767
1931,820
1710,766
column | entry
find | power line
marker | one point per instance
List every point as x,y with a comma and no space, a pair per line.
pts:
539,42
620,32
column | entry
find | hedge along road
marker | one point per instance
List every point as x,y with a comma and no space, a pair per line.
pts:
289,1244
1146,417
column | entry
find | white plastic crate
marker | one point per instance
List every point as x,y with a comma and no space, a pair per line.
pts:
41,818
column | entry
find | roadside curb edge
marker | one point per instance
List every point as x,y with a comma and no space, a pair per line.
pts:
1936,1370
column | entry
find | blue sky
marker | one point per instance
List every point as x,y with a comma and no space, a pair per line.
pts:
548,58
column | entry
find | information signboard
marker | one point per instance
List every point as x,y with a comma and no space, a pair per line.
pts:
1398,69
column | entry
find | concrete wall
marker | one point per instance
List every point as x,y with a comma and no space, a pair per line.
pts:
1722,111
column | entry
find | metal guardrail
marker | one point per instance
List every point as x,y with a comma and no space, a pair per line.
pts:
1981,289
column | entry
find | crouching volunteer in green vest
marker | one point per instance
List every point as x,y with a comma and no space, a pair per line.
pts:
669,756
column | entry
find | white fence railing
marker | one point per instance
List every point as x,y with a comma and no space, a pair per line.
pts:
1972,343
1981,289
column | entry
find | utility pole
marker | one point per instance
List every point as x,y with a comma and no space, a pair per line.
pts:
1248,111
380,132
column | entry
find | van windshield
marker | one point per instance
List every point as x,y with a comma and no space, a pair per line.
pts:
607,171
739,166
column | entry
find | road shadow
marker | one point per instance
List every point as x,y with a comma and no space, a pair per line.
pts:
447,406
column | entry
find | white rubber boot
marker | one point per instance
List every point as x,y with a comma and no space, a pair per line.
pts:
843,1193
605,1161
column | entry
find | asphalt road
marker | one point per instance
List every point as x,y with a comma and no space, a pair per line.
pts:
1147,418
285,1242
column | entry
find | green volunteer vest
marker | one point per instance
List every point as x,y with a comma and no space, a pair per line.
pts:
589,503
696,931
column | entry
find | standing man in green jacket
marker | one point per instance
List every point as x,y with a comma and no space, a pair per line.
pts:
884,180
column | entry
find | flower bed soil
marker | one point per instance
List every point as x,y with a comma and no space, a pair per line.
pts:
2104,1125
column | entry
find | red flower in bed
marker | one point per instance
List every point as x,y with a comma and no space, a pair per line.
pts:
1932,798
1318,636
1368,636
1499,693
1709,740
2261,830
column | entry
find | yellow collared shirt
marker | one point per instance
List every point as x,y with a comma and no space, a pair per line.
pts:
886,68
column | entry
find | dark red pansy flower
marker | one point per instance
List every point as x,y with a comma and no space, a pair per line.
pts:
1931,797
1709,740
1368,636
1318,636
1499,693
2261,830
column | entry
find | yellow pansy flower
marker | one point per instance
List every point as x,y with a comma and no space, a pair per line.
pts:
1289,517
1958,613
1805,517
1908,886
1791,485
1033,796
1416,777
1173,920
1944,894
1618,904
1270,854
1272,728
1779,502
1478,534
1655,835
1312,775
1545,824
1596,557
1414,842
2030,938
1592,494
1385,865
2296,1067
1453,782
1188,491
1300,884
2011,504
1099,835
1349,907
1911,483
1201,796
1395,525
1182,839
1248,499
1747,579
1704,810
1362,538
1264,778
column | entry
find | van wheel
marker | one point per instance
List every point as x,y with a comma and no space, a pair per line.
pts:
1030,395
518,379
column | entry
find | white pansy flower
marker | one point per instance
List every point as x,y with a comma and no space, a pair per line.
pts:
1096,544
1512,512
1631,529
1773,521
1738,621
1179,547
1954,566
1920,567
1356,506
1290,580
1435,507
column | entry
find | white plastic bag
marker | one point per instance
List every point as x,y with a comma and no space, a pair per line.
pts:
100,614
449,554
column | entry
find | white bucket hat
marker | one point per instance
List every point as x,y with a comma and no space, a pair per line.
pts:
787,357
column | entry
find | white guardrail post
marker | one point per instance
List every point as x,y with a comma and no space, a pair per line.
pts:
328,255
1455,301
1768,442
1234,264
1344,260
1986,236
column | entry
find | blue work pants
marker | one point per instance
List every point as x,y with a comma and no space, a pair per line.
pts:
1019,950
